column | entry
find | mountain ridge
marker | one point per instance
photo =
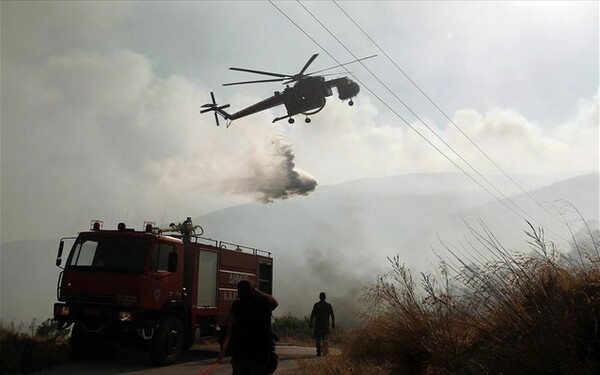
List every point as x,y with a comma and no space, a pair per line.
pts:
354,231
337,239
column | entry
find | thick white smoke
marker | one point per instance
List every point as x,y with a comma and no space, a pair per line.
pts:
274,174
118,142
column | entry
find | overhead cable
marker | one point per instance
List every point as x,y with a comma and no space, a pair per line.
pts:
398,115
441,110
427,126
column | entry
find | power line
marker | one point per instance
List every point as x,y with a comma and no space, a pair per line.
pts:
427,126
441,110
413,113
398,115
404,120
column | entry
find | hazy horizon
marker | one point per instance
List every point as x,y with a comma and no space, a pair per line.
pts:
337,239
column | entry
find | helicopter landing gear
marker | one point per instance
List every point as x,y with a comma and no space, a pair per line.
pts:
350,103
291,120
307,120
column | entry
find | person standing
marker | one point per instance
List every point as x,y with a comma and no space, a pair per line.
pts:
320,317
249,332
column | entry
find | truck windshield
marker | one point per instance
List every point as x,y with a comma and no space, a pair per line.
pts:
110,254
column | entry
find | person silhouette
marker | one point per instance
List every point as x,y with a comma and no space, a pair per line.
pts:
249,332
320,316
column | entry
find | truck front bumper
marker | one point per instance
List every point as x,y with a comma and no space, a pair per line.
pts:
111,320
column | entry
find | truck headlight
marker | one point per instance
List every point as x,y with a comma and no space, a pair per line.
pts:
61,310
126,316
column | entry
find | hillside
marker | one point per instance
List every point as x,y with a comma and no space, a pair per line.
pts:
336,239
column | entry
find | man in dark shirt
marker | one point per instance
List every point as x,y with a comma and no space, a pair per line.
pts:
320,316
249,331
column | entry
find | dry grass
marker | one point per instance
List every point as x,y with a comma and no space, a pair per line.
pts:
530,313
293,330
30,349
335,365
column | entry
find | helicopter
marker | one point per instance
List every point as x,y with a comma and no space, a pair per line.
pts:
305,97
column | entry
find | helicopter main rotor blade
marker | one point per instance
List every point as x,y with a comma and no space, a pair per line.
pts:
258,81
337,66
261,72
307,64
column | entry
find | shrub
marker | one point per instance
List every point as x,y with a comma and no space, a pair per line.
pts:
518,313
50,328
26,351
292,329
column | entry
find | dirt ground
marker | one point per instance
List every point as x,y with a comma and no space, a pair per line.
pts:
200,360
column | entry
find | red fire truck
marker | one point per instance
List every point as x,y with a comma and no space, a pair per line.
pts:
162,292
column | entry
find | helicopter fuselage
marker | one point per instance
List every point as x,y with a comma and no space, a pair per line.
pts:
306,97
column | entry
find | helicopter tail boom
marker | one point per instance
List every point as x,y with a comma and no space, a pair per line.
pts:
217,109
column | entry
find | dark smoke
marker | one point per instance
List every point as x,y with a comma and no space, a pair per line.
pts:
323,270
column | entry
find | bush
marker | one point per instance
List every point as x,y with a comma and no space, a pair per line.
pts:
292,329
26,351
50,328
527,313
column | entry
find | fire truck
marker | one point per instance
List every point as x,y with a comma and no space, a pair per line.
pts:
151,290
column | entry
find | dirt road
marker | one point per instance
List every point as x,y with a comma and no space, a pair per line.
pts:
198,361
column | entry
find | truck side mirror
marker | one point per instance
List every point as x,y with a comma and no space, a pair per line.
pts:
173,260
61,246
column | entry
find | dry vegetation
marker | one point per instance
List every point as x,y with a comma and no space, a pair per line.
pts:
487,311
529,313
292,330
32,348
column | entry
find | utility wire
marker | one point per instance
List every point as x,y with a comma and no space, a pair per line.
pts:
424,123
441,110
399,116
417,116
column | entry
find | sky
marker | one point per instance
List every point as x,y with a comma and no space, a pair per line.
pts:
100,101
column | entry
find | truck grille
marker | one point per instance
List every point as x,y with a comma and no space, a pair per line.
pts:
92,298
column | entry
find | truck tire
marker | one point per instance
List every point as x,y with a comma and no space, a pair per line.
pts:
87,345
167,343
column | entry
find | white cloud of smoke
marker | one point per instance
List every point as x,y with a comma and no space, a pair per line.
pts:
355,141
104,134
280,179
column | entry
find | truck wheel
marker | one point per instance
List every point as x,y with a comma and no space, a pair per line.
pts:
167,342
85,344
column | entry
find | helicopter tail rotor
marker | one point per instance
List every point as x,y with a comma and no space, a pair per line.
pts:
218,110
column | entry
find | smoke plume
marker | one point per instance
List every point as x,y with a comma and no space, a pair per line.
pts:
274,175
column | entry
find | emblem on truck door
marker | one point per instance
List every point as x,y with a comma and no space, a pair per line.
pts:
157,294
